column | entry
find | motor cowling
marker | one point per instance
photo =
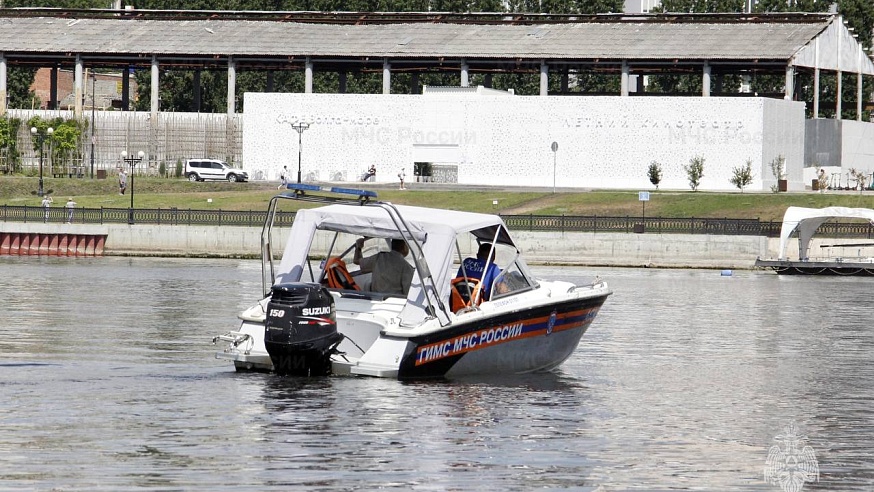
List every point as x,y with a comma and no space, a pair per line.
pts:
300,332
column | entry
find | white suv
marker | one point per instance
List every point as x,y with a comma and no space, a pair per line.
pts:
201,169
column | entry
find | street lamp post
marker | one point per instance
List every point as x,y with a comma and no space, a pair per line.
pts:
132,161
299,127
41,138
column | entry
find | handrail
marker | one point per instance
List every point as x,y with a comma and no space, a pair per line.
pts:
544,223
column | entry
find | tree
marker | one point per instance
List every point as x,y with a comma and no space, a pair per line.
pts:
9,144
742,176
695,171
654,173
19,80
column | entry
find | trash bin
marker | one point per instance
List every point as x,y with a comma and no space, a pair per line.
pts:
639,228
101,174
814,185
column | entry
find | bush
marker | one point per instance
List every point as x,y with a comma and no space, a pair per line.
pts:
695,171
162,170
743,176
179,168
654,173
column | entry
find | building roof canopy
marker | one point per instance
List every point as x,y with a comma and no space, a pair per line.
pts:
282,39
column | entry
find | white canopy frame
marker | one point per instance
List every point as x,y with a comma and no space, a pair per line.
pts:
807,220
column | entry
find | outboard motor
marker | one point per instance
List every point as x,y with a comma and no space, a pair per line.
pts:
301,330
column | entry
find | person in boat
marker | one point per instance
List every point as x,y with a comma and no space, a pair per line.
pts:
391,273
481,268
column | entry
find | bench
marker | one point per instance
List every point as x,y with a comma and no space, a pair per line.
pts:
77,171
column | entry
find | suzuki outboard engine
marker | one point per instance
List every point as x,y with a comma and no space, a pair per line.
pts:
301,330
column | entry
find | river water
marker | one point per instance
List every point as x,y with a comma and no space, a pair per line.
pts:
688,379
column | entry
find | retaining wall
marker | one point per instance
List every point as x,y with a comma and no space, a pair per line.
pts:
570,248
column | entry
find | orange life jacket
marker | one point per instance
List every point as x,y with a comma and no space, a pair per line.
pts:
337,276
464,290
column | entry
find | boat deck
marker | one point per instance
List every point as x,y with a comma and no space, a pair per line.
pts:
833,266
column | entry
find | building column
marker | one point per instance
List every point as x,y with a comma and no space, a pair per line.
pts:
839,95
386,76
859,85
125,89
269,87
705,80
414,83
816,78
198,99
308,76
623,79
487,81
78,82
342,78
564,80
156,94
465,81
790,83
53,89
544,78
3,89
232,86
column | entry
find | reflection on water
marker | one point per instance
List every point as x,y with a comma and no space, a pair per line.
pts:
683,382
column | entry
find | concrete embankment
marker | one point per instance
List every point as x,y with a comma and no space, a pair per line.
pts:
554,248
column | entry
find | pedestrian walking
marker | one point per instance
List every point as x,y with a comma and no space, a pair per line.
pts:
401,176
46,204
283,178
122,181
70,206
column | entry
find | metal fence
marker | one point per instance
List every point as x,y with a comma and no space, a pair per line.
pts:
559,223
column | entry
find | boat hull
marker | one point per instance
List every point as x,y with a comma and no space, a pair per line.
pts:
529,340
842,268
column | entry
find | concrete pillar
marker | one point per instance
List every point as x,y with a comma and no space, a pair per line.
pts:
839,95
78,83
386,76
53,89
198,99
816,78
125,89
3,89
156,95
859,85
232,86
308,76
623,79
465,81
705,80
790,83
544,78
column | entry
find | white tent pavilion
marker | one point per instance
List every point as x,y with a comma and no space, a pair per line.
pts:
807,220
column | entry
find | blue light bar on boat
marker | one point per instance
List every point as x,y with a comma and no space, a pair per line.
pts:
300,190
353,191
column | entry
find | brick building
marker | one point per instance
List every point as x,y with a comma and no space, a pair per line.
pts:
106,88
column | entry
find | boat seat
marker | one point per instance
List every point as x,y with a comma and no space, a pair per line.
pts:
337,275
463,290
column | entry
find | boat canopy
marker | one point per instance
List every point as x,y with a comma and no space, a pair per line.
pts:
434,229
807,220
